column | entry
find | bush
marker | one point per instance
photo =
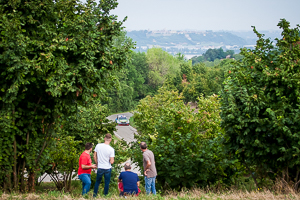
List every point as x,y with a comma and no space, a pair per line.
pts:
186,143
260,107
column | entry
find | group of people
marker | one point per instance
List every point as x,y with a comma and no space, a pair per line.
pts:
104,156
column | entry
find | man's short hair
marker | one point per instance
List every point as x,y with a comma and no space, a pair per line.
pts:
108,136
143,145
88,146
127,166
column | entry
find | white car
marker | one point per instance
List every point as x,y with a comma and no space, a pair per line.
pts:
122,120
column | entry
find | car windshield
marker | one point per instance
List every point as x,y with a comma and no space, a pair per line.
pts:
122,117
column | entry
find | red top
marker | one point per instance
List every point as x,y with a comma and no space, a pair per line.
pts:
121,187
84,159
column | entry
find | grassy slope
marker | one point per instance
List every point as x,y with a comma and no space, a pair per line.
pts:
48,191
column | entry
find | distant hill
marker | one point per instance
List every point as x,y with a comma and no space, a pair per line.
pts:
193,43
173,38
251,38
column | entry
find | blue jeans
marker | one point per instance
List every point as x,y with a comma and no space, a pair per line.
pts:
86,182
150,185
100,173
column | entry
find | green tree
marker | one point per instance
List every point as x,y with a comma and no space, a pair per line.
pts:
138,71
212,55
54,56
260,107
89,124
204,80
185,142
197,59
161,64
64,157
130,85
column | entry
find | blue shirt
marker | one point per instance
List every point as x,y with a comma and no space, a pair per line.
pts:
129,180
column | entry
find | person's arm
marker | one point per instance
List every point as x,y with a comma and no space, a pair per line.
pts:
111,160
88,166
120,178
147,168
95,157
138,183
112,157
86,163
148,164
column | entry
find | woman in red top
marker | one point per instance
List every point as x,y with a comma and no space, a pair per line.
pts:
85,168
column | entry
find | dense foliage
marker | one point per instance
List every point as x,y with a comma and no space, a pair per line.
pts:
66,65
54,57
186,143
200,79
213,54
147,72
143,76
260,107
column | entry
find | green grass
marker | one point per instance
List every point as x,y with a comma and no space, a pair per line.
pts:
188,194
244,190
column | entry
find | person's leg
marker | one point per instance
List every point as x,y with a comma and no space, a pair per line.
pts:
98,181
121,194
147,185
80,178
83,184
153,185
86,182
107,176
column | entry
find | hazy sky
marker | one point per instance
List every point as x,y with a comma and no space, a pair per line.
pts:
207,14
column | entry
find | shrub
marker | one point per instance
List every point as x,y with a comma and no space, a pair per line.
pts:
260,107
186,143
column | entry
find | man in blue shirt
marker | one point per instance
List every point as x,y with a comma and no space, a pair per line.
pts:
130,181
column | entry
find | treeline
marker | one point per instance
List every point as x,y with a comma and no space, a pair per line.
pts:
57,61
148,71
214,55
249,131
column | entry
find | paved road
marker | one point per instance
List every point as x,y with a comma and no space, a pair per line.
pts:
123,132
126,133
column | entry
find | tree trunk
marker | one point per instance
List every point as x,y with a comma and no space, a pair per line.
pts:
15,177
15,165
296,180
4,186
70,180
31,182
8,182
18,174
22,177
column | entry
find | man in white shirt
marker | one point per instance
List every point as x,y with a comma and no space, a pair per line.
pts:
104,156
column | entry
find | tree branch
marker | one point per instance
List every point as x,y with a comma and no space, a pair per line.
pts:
44,145
27,142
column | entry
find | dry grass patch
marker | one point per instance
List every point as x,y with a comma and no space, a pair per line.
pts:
189,194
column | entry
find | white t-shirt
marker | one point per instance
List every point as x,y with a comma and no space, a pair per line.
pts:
104,153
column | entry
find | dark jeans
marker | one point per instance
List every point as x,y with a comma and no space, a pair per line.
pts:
86,182
100,173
